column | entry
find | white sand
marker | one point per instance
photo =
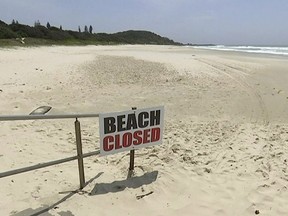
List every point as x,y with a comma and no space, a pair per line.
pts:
225,145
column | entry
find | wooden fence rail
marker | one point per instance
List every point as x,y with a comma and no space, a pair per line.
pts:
79,155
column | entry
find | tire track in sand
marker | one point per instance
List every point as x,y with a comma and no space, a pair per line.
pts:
238,77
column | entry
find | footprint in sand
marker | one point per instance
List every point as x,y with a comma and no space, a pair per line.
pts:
279,91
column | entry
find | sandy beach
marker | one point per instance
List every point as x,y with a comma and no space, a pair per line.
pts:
226,129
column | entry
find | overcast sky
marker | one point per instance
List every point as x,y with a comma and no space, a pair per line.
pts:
230,22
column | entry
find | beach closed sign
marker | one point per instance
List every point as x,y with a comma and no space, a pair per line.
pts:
133,129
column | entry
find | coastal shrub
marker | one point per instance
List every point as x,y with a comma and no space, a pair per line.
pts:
55,34
6,33
26,31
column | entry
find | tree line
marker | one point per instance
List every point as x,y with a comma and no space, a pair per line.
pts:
86,30
53,33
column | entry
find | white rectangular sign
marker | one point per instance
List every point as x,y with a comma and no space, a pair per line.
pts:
133,129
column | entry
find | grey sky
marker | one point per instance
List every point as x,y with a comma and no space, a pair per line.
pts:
258,22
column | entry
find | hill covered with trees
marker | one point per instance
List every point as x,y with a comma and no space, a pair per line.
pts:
16,33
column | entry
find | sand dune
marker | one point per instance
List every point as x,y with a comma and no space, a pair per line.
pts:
224,150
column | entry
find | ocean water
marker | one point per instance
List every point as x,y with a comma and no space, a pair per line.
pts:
250,49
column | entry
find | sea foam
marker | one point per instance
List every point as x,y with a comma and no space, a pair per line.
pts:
249,49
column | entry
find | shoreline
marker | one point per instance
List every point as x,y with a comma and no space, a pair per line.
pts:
262,50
